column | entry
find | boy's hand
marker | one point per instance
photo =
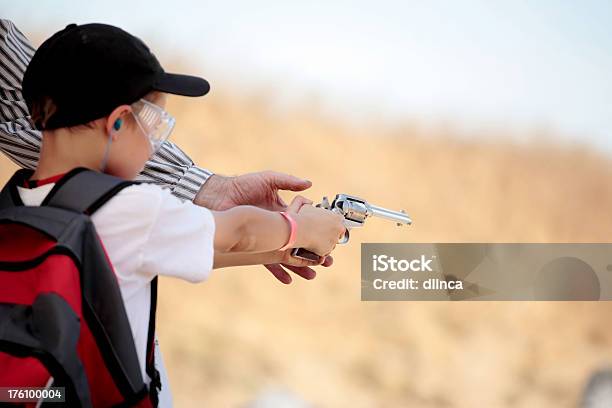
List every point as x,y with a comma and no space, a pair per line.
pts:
261,190
315,225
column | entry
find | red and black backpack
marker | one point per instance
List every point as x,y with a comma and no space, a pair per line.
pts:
62,318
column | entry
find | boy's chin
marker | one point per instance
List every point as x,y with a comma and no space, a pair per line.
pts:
125,173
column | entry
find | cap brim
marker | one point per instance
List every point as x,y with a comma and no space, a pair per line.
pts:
185,85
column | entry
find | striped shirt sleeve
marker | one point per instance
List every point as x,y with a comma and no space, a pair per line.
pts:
170,166
21,142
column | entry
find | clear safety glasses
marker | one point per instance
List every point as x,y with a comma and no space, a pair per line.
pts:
155,123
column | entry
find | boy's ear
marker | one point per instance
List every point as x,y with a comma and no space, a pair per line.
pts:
116,120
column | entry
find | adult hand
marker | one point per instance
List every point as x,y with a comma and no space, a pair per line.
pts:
296,266
258,189
261,190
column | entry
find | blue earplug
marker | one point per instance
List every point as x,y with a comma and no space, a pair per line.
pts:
117,124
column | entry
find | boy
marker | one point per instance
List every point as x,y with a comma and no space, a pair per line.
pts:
98,94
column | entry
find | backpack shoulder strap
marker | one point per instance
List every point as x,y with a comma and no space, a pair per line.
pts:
84,190
155,384
9,197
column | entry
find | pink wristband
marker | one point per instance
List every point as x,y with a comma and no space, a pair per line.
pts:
292,233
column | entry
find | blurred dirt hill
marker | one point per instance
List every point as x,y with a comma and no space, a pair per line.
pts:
242,332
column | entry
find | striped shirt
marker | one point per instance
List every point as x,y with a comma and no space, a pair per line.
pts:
19,140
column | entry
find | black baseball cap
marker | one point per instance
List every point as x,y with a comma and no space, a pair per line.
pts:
88,70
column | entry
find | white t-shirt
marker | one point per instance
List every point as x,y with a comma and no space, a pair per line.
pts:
148,232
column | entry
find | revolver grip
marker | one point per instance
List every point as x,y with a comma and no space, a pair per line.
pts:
303,253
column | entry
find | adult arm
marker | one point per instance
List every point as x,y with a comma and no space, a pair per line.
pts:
277,262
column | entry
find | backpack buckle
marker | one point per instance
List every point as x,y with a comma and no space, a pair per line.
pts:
155,379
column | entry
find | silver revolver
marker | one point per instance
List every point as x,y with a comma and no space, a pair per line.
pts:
355,211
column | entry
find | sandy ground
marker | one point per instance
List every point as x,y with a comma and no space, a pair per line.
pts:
242,333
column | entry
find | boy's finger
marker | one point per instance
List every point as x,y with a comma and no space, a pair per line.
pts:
297,203
279,273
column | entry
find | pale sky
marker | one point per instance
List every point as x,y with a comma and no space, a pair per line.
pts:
524,64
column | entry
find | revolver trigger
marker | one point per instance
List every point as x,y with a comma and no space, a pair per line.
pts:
345,237
324,203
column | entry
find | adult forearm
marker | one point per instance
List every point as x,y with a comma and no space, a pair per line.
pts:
223,260
18,140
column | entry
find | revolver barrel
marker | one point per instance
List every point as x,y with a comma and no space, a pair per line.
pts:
356,210
400,217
